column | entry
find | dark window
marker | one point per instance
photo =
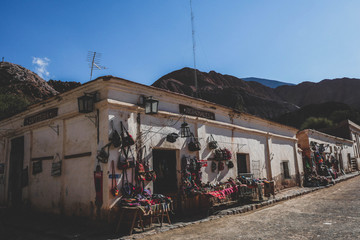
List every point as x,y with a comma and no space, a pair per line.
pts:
242,163
164,163
286,170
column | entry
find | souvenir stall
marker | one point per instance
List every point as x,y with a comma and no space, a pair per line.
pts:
197,196
133,204
320,169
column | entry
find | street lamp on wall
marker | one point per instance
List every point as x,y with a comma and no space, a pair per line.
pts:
151,105
185,130
86,103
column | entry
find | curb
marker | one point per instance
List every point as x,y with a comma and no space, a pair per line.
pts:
239,210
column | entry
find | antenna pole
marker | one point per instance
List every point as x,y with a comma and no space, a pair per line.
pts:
194,46
92,65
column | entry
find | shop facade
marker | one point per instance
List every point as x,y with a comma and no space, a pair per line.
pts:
60,157
348,130
324,154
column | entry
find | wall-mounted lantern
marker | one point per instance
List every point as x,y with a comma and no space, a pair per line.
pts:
86,103
185,130
151,105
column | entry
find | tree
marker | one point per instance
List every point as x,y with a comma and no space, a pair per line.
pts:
11,104
316,123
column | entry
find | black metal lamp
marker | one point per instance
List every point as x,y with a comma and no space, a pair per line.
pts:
185,130
86,103
151,105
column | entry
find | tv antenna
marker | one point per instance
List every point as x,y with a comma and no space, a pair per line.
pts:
194,47
94,62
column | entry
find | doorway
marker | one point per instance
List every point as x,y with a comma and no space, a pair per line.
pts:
16,166
164,164
243,163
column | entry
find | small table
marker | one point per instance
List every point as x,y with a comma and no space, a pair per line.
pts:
129,215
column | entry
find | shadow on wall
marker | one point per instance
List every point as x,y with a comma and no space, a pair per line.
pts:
282,183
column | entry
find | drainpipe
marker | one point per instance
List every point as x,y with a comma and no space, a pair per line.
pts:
268,157
297,172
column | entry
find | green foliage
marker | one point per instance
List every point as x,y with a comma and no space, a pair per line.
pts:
11,104
336,112
316,123
340,115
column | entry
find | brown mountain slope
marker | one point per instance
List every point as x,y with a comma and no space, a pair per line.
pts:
345,90
17,80
227,90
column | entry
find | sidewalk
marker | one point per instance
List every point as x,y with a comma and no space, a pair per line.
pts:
26,224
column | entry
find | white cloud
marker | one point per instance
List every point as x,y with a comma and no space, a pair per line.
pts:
40,66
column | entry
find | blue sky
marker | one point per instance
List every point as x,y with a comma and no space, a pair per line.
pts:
142,40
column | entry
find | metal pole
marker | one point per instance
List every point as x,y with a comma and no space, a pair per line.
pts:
194,46
92,65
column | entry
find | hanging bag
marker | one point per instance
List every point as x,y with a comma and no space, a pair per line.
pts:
127,139
114,190
171,137
221,166
127,188
123,161
194,144
56,166
103,155
212,144
114,136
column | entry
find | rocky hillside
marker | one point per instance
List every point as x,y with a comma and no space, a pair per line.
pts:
20,87
251,97
344,90
61,86
17,80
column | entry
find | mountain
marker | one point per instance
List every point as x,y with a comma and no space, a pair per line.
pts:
344,90
230,91
267,82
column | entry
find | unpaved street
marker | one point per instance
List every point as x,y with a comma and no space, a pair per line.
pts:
332,213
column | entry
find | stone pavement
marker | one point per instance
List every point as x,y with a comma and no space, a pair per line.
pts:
280,196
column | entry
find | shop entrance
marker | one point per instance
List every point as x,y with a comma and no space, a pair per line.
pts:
243,163
164,164
16,166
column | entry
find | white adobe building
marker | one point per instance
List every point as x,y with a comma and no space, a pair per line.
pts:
54,130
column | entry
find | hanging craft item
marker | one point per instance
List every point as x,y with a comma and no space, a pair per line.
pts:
114,136
222,154
221,166
230,164
213,166
127,188
171,137
103,155
127,139
114,190
213,144
150,175
123,161
98,181
194,144
140,172
56,166
37,167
